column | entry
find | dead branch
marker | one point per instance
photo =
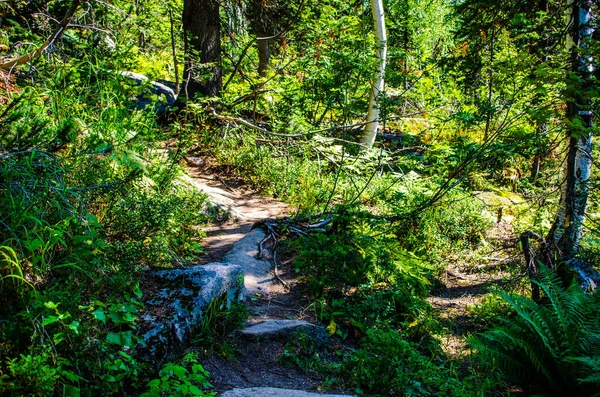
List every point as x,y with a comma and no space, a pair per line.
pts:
55,36
530,260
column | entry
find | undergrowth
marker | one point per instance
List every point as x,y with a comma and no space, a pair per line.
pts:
86,202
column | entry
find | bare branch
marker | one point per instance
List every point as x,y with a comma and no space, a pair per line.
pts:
55,36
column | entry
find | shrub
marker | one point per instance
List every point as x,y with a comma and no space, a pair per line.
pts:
456,224
552,346
386,364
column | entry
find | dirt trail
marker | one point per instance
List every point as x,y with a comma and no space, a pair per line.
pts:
255,363
466,287
239,207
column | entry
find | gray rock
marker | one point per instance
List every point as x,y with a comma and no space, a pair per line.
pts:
257,272
587,276
166,95
272,329
272,392
177,302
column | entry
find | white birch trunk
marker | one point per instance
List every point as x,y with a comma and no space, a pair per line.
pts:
370,131
567,230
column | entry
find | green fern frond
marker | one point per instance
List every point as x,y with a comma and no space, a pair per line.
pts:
553,346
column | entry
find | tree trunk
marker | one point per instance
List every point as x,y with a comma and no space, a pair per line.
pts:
565,234
202,29
174,51
370,131
264,56
488,120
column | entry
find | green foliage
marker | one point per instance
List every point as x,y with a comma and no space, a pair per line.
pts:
219,321
187,379
310,352
355,253
85,201
153,228
362,278
454,225
491,311
553,346
386,364
37,375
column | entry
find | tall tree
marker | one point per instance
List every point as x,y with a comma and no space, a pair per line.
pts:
202,31
370,131
566,232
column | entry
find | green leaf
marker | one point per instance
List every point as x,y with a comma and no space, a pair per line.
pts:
35,244
100,315
50,320
74,326
51,305
58,337
116,318
72,391
195,391
115,338
73,377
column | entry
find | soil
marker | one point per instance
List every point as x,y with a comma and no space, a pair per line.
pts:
463,287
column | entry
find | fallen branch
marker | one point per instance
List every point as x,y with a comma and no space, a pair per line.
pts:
55,36
275,270
253,126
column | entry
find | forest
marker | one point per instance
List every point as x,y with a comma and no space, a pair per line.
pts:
423,172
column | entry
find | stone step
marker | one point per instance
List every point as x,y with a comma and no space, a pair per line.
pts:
273,392
273,329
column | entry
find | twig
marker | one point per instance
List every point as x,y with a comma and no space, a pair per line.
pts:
55,36
285,285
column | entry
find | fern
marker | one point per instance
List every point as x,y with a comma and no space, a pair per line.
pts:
552,347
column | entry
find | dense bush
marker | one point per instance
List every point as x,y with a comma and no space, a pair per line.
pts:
552,346
84,204
455,224
386,364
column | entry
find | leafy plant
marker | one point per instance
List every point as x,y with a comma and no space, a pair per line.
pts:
218,322
386,364
553,346
187,379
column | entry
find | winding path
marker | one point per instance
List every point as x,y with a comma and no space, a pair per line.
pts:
275,312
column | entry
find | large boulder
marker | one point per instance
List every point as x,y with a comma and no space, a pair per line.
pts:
165,94
176,302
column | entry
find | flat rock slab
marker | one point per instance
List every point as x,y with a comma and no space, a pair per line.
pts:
257,272
177,300
272,329
273,392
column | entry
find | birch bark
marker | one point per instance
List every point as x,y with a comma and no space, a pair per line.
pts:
370,131
565,234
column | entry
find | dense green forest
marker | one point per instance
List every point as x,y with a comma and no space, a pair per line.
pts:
420,141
